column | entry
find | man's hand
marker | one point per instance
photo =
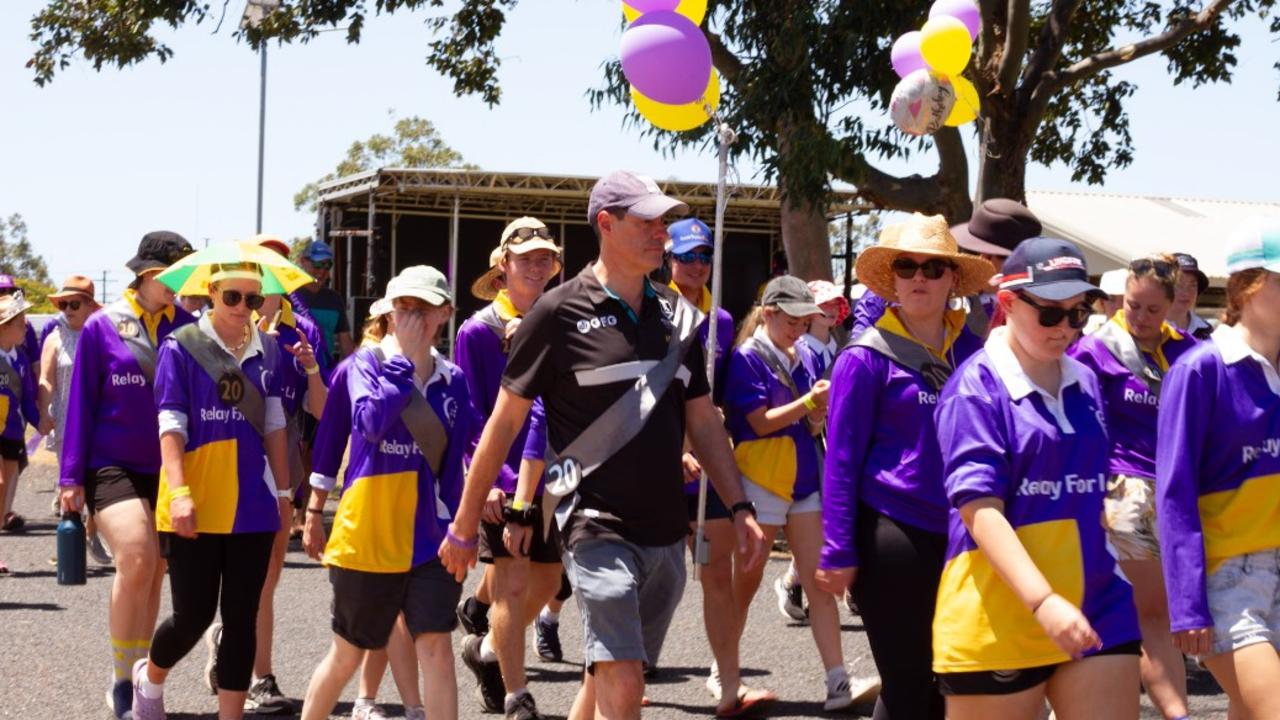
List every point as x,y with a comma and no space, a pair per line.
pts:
517,539
750,540
492,512
836,581
313,538
457,557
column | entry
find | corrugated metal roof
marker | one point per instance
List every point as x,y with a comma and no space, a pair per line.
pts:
1114,229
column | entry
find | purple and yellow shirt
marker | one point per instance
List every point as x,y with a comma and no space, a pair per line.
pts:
111,406
333,430
1045,458
882,448
17,415
1217,468
394,511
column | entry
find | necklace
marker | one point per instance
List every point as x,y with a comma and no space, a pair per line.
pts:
236,350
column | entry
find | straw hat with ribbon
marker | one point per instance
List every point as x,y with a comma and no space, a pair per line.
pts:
11,306
520,236
922,235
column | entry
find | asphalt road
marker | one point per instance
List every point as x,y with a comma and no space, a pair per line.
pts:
56,661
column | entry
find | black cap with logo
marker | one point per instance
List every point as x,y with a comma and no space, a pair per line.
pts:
1048,268
158,250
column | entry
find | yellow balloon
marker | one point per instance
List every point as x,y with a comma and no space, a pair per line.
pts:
695,10
677,118
967,104
945,45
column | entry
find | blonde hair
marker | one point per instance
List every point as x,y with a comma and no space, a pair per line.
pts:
1240,287
375,328
752,322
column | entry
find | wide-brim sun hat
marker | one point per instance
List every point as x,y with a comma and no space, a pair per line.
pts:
75,285
485,287
11,306
996,228
920,235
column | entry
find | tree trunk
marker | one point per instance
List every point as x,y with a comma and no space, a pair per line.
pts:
804,235
1002,162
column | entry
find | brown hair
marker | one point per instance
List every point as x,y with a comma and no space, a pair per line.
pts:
1163,269
375,328
1240,287
753,320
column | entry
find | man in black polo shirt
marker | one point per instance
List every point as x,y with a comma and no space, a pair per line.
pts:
581,347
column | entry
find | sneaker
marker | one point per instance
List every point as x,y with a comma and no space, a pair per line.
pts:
265,698
713,682
489,688
366,709
521,707
547,635
415,712
790,601
851,604
120,699
145,708
849,692
474,621
212,638
98,551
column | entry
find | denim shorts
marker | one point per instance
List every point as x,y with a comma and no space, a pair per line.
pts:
773,510
627,595
1244,600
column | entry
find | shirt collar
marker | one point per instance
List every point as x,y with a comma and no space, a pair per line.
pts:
1195,324
255,338
599,293
1233,348
763,336
953,320
440,373
1014,378
1168,333
704,299
131,296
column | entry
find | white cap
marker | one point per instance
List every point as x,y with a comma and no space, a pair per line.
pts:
1113,281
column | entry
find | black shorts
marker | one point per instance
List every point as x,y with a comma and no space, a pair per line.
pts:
366,604
716,509
1008,682
541,550
109,485
14,450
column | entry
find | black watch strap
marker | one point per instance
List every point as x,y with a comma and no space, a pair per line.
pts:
523,516
744,505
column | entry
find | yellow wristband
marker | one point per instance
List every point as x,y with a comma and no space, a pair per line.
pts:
313,370
179,492
809,403
518,504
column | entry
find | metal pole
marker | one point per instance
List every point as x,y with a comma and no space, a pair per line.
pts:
262,127
848,252
726,136
395,222
371,223
453,270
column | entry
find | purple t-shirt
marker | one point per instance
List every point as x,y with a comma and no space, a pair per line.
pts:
478,352
1218,460
882,449
330,442
1045,459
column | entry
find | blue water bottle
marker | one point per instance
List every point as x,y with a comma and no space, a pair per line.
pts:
71,550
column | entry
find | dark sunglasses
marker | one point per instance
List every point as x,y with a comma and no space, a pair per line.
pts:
1076,317
526,233
933,269
322,264
688,258
232,298
1160,268
64,305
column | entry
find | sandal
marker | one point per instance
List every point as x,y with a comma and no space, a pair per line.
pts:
13,522
749,701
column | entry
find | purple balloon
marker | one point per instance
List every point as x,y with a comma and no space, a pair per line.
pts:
666,57
966,11
647,6
905,54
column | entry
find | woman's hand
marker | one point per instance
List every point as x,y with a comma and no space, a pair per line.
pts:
1067,626
516,538
46,424
182,514
692,468
492,512
1194,642
821,393
836,581
72,497
302,350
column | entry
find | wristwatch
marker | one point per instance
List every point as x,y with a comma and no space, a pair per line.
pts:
746,505
523,516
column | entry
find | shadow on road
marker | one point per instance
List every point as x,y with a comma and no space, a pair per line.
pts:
38,607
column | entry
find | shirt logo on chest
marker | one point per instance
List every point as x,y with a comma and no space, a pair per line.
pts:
1269,448
1141,398
390,447
595,323
126,379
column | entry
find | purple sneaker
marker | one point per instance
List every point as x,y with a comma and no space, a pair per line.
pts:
145,708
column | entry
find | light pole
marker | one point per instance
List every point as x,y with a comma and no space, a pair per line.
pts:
254,12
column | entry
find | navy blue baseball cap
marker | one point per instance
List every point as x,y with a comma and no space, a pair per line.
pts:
1048,268
688,234
318,251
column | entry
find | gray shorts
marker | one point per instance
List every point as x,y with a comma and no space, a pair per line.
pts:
627,595
1244,600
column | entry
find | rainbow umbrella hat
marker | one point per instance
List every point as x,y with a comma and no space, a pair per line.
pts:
190,275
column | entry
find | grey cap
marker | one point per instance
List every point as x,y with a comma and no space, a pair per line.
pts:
423,282
637,194
791,295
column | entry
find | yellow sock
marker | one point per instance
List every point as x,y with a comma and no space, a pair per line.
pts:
121,658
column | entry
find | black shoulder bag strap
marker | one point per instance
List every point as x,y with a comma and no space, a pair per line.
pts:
618,424
423,423
907,353
234,387
1122,345
135,339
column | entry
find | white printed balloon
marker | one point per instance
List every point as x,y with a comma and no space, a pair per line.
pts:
921,103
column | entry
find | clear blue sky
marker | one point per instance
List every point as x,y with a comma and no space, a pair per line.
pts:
95,160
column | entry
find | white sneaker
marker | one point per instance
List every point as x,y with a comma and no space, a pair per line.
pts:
713,682
850,692
790,601
416,712
365,709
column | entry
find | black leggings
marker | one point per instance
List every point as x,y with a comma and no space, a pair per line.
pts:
235,564
896,590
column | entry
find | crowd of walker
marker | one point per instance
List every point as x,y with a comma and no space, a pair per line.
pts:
1035,491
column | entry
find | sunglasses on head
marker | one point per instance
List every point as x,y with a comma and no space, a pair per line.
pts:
526,233
232,298
933,268
64,305
688,258
1160,268
1050,316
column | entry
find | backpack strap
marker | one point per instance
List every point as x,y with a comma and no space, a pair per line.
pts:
233,387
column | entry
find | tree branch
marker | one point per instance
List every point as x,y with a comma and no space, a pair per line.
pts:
724,59
987,36
1119,56
1017,32
944,193
1053,37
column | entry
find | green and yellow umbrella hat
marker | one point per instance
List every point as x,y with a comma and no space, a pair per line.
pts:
191,274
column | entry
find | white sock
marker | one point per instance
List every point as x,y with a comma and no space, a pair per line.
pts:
486,649
150,690
511,696
548,617
363,702
792,578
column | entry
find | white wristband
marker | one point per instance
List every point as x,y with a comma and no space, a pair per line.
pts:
286,494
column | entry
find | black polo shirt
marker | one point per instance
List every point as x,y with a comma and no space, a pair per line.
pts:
580,348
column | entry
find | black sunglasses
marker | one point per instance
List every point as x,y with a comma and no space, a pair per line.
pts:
1076,317
1160,268
526,233
232,298
63,305
933,269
